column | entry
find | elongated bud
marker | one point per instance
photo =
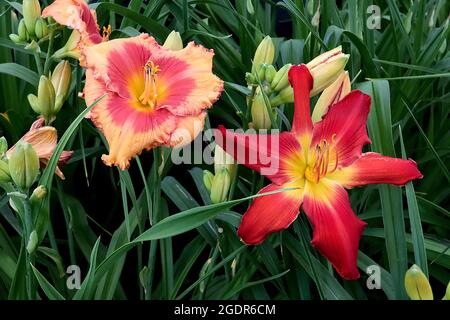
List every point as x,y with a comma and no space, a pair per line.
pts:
417,285
46,97
334,93
173,41
15,38
281,81
326,68
208,178
32,242
70,49
41,28
38,194
220,186
33,100
60,79
262,72
224,160
284,96
5,177
24,165
250,78
260,114
22,31
264,54
31,12
3,146
270,73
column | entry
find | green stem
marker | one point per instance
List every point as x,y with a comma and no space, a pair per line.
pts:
28,227
38,63
49,56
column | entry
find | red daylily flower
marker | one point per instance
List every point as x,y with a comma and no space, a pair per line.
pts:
319,160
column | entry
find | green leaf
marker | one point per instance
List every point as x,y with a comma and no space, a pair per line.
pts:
48,289
20,72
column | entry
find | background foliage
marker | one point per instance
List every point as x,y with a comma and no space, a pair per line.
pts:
127,234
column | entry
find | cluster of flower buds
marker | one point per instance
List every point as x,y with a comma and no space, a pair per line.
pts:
32,26
219,184
52,91
327,70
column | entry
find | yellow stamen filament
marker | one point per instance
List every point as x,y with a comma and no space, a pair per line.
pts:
322,160
106,32
150,94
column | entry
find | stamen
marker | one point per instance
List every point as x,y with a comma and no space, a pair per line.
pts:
150,94
106,32
322,159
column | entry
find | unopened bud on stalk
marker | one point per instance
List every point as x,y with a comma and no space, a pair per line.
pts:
32,242
220,186
224,160
332,94
264,54
270,73
281,81
60,80
44,103
250,78
173,41
70,48
326,68
41,28
284,96
417,285
15,38
5,177
24,165
3,146
208,178
260,114
31,12
38,194
22,31
262,72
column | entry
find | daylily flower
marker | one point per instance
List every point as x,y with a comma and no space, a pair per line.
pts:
154,96
317,160
43,139
76,15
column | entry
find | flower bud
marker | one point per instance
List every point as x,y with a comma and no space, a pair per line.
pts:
70,49
41,28
38,194
32,242
284,96
208,179
326,68
24,165
5,177
173,41
281,81
46,97
224,160
332,94
15,38
22,31
260,114
417,285
265,53
31,12
447,292
220,186
3,146
60,79
270,73
250,78
262,72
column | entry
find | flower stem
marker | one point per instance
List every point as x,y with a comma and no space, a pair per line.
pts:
28,227
49,56
37,58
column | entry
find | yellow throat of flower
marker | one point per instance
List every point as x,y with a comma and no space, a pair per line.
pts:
323,161
150,94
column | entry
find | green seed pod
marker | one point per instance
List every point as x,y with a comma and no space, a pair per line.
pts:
208,178
24,165
5,176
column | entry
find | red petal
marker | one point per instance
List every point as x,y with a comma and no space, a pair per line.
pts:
373,168
346,122
302,83
336,229
269,214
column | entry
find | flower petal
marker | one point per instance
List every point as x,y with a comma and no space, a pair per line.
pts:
336,229
269,214
188,128
273,155
345,126
302,83
374,168
43,141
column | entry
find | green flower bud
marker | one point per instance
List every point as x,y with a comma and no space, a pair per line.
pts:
220,186
32,242
5,177
270,73
46,97
281,81
61,78
250,78
262,72
15,38
260,114
173,41
38,194
417,285
31,12
22,31
447,292
224,160
208,179
3,146
33,101
41,28
24,165
284,96
265,53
